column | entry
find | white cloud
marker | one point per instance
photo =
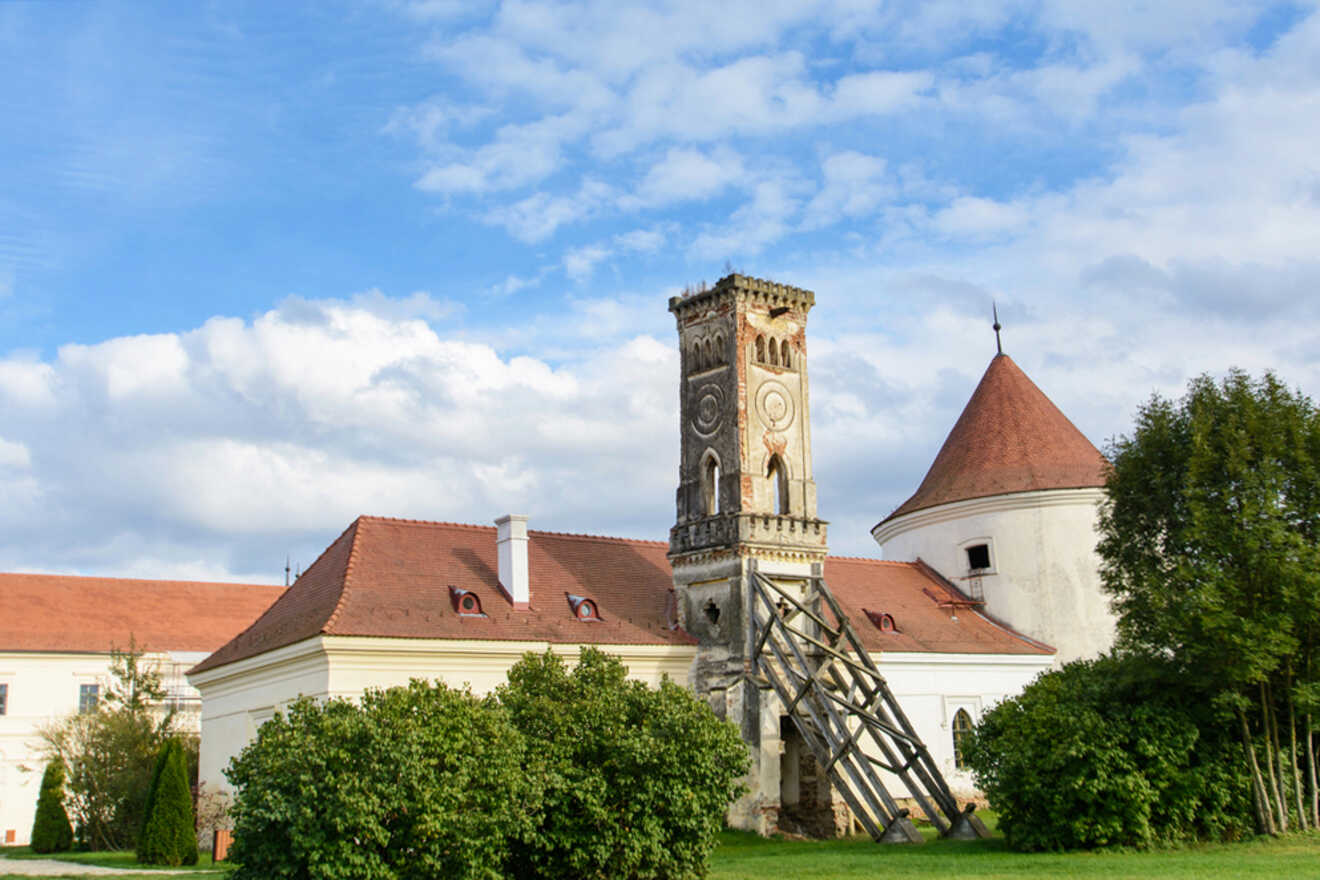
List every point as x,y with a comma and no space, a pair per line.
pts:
14,456
855,185
536,217
279,431
758,223
687,175
579,263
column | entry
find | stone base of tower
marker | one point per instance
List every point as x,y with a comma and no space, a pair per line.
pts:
786,792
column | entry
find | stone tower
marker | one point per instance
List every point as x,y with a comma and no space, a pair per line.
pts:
745,499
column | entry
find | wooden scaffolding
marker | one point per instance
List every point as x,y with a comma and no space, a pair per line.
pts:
804,646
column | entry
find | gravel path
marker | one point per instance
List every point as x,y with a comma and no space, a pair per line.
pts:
55,868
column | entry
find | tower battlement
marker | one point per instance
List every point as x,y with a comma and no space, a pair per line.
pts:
771,292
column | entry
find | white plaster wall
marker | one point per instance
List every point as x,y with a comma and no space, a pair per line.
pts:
239,697
1044,578
932,687
43,688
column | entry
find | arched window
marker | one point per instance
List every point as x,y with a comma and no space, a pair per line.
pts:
710,353
760,349
774,353
962,728
719,350
710,485
778,475
784,354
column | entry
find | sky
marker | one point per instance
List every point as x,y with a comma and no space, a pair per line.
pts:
268,267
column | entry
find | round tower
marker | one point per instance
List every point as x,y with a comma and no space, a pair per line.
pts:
1008,511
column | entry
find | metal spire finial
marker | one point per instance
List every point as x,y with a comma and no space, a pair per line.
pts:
995,309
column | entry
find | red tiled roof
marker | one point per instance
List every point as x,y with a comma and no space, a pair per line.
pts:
392,578
929,614
44,612
1009,438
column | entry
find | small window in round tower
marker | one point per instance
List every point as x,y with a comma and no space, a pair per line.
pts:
978,557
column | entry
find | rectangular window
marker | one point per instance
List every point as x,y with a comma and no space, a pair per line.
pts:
4,699
978,556
89,695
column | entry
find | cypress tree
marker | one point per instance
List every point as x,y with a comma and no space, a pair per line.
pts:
51,831
169,836
162,759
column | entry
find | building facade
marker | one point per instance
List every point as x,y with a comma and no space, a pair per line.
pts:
56,637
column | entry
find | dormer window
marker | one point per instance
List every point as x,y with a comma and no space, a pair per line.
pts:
584,609
883,621
466,603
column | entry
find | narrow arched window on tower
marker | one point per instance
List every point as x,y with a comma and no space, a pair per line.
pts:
962,728
784,354
778,475
719,350
710,486
774,353
760,349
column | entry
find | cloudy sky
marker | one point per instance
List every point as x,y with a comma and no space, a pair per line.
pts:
265,267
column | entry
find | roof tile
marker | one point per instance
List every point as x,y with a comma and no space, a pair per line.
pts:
1009,438
391,578
45,612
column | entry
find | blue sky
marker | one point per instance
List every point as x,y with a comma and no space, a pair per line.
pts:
264,267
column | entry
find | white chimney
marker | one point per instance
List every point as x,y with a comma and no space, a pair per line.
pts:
511,542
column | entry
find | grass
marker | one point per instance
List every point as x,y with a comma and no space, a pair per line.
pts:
125,860
743,856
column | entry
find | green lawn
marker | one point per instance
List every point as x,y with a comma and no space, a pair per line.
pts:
747,857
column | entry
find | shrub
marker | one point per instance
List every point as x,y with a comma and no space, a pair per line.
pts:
1107,752
109,754
415,782
635,781
51,831
168,836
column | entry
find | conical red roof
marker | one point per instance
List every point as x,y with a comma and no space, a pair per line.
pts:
1009,438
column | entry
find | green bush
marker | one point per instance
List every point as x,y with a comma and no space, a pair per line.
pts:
635,781
418,782
1108,752
51,831
169,836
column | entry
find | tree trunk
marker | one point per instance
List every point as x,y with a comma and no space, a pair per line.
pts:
1259,797
1302,822
1280,805
1310,767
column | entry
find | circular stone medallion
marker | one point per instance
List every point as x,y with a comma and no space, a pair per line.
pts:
774,404
709,410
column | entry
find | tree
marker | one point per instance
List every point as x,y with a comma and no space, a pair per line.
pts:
1209,547
110,754
635,781
51,831
415,782
1107,752
168,836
